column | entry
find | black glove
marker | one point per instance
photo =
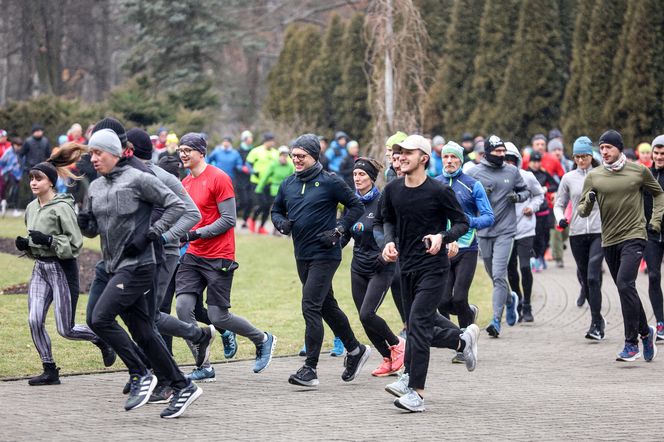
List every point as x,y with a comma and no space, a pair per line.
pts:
192,235
22,244
563,223
152,236
592,195
285,227
330,238
652,229
512,197
40,239
137,245
83,219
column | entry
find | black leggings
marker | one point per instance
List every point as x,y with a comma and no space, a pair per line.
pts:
542,234
587,251
653,256
395,288
521,252
262,211
368,294
455,297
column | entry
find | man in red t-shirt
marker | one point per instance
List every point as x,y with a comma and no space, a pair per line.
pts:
550,162
210,259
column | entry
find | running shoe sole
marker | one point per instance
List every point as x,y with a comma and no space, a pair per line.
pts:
146,391
225,340
458,358
476,312
629,359
391,373
491,330
653,332
360,365
515,307
398,404
593,337
296,381
470,351
195,395
274,344
394,391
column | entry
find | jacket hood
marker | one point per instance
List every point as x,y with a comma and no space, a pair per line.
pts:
62,198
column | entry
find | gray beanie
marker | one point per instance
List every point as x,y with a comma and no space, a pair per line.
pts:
658,141
554,144
106,140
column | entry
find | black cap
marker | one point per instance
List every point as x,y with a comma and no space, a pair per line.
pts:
268,136
140,139
36,127
467,136
613,138
308,143
115,126
535,156
493,142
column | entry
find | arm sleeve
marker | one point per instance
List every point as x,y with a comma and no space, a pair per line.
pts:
651,185
353,205
378,233
238,162
536,194
190,217
586,206
458,220
91,229
70,239
223,223
279,211
552,184
152,190
485,218
562,198
389,217
520,188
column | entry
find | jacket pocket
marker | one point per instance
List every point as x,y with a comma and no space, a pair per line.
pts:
126,203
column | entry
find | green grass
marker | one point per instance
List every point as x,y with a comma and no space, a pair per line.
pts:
14,270
266,291
11,227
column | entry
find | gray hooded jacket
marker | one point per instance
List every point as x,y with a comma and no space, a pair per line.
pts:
570,188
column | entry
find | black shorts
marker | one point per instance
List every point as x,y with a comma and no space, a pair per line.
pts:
524,249
196,273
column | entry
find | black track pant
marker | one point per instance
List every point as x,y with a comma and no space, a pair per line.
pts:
455,298
623,260
368,293
422,293
653,256
588,254
522,251
541,236
245,194
318,304
126,295
395,288
265,201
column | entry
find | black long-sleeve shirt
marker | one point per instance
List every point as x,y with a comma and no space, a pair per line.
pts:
410,213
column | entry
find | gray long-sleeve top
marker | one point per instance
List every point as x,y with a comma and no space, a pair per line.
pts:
570,188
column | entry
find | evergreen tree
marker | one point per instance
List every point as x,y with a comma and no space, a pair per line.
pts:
447,110
569,9
643,79
572,124
307,48
280,79
496,39
351,96
603,38
436,15
529,100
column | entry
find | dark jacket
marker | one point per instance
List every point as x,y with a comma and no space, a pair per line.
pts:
346,170
34,151
647,204
311,207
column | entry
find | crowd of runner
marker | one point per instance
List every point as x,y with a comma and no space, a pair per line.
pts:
166,208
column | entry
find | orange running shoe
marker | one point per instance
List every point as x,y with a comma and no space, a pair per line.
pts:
262,231
397,354
252,225
384,369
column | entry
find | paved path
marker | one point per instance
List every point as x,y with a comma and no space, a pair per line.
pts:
541,381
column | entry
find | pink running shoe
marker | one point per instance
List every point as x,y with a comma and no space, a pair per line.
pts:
397,354
384,369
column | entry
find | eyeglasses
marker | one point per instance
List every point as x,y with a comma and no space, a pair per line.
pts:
298,156
184,151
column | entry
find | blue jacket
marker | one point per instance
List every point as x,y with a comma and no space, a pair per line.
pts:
311,207
435,165
228,160
335,154
475,204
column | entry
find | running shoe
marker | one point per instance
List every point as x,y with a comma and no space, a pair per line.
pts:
262,231
162,394
629,354
397,354
458,358
264,353
230,344
476,312
493,329
338,349
399,387
203,374
410,401
252,225
384,369
354,363
649,347
182,399
470,337
403,333
660,331
204,346
303,350
534,265
594,332
140,390
305,377
511,309
527,313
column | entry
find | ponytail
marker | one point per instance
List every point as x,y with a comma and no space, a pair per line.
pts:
66,155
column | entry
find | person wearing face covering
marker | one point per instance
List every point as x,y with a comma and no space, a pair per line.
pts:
505,187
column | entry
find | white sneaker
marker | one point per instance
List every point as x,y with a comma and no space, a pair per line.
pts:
410,401
3,207
470,337
16,213
399,387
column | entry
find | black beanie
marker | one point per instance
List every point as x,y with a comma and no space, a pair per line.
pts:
365,165
47,169
491,143
195,141
141,142
115,126
613,138
309,143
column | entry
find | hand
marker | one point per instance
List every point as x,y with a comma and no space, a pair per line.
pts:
436,243
512,197
390,253
136,246
329,238
192,235
83,219
285,227
452,249
527,211
22,244
592,195
245,169
40,239
653,229
152,236
563,223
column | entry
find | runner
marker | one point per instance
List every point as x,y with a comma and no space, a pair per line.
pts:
306,207
618,188
370,276
260,158
54,242
416,211
242,182
119,210
505,188
525,234
276,173
585,234
210,259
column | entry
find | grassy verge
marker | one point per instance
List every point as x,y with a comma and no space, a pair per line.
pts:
14,270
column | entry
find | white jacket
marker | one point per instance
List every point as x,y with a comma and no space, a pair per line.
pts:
525,225
570,188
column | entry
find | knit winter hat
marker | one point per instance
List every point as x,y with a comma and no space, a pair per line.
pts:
538,137
658,141
398,137
466,136
140,139
582,146
438,140
366,165
106,140
195,141
246,134
453,148
555,133
115,126
171,138
493,142
309,143
554,144
643,148
613,138
49,170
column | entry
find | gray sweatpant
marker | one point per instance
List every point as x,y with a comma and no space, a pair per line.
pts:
47,285
496,255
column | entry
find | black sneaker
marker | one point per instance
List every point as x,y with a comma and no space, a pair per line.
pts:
355,363
204,346
127,387
181,400
140,390
596,331
528,313
305,376
50,376
161,395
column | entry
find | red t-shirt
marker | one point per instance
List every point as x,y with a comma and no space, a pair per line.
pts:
208,190
4,147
